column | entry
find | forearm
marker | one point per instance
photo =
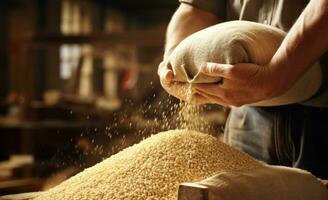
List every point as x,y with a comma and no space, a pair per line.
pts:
305,42
185,21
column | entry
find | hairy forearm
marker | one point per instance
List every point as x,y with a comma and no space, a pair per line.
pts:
304,44
185,21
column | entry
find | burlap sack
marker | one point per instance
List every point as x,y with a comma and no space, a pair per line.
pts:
267,182
237,42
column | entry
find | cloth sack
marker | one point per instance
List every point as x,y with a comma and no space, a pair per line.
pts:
267,182
237,42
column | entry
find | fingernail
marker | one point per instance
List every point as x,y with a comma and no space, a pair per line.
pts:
168,76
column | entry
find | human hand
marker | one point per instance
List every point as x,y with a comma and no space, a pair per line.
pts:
179,90
243,83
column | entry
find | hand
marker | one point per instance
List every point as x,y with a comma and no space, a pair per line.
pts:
243,83
178,89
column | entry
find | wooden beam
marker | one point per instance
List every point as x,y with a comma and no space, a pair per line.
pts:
126,38
4,81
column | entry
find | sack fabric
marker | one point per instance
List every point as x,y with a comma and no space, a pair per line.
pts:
268,182
237,42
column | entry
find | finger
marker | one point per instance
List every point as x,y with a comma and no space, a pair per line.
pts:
215,99
228,97
198,99
230,84
167,77
165,74
211,89
217,70
225,84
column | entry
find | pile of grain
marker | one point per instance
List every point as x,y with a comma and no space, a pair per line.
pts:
153,168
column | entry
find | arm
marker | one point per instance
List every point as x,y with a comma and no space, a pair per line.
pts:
305,42
185,21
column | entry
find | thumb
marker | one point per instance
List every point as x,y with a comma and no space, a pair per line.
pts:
216,69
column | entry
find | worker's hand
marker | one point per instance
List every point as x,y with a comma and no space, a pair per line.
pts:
178,89
242,83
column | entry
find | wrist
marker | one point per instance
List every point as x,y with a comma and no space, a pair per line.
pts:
280,76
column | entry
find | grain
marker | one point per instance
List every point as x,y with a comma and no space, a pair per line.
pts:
185,115
153,168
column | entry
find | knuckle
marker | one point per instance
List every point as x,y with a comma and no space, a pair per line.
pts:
230,70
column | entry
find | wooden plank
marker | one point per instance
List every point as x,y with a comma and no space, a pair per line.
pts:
127,38
192,191
20,185
4,68
141,4
325,182
22,196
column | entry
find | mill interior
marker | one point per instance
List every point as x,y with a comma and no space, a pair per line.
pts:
87,111
78,84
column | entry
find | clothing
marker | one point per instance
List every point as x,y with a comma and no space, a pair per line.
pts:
285,183
292,135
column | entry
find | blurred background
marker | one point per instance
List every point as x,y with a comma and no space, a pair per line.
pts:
78,82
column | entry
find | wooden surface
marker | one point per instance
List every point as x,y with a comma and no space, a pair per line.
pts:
325,182
187,191
22,196
20,186
127,38
195,191
192,191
